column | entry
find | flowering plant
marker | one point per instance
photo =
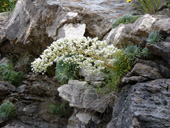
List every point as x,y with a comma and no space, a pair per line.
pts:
88,53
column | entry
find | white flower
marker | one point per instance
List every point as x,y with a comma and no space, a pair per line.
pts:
91,54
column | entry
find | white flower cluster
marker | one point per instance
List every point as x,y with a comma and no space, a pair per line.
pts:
88,53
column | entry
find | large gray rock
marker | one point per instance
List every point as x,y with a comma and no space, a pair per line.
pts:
144,105
35,24
79,95
138,32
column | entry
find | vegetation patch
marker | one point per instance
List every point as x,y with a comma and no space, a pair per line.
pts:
154,37
125,20
66,71
91,54
7,5
147,6
8,73
62,110
7,111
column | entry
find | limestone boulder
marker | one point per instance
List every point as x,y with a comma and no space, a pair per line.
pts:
79,95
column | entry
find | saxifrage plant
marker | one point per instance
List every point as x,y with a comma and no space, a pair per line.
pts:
91,54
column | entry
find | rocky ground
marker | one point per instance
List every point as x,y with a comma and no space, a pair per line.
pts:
144,99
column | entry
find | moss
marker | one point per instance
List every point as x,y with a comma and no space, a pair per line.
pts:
125,20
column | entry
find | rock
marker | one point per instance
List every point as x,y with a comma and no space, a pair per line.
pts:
4,61
72,30
132,80
42,88
74,122
16,125
120,35
146,71
161,49
3,20
3,90
91,77
85,117
142,106
83,120
138,32
159,26
35,23
22,88
24,63
79,95
143,25
126,34
9,86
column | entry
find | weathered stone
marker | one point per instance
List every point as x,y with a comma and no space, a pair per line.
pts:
91,77
162,25
3,20
138,32
4,61
147,71
22,88
86,117
142,106
74,122
24,62
79,95
83,119
16,125
42,88
35,23
132,80
3,90
161,49
71,30
9,86
144,25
